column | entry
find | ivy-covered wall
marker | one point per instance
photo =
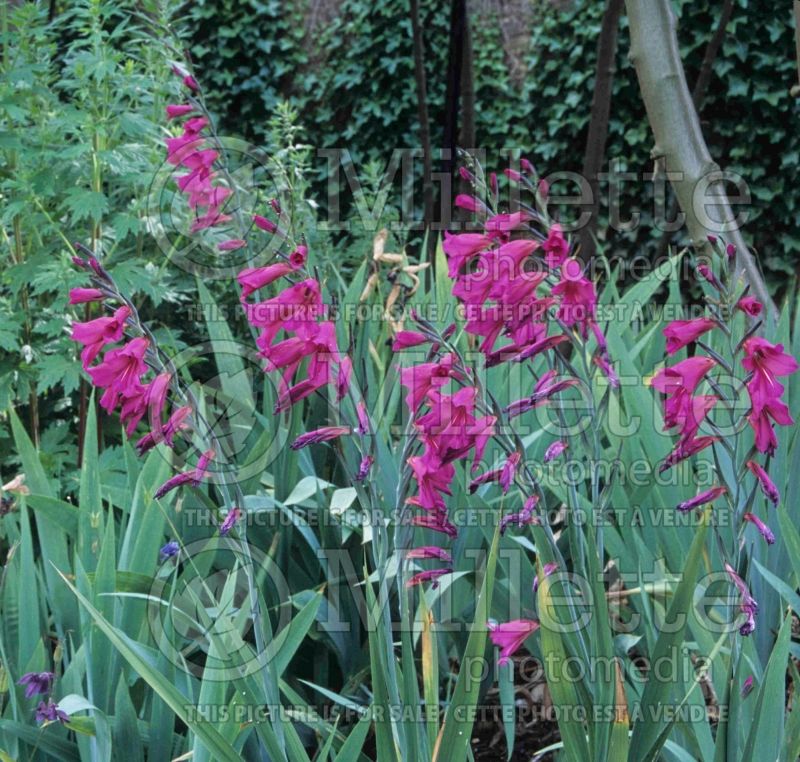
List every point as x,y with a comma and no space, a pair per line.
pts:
347,66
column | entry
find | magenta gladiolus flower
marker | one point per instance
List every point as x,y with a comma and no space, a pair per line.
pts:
420,379
750,305
195,126
470,203
192,477
254,278
679,333
767,485
363,418
554,450
547,570
766,410
679,382
543,345
747,604
685,449
233,515
603,362
191,83
428,552
298,257
432,575
578,297
150,399
157,391
747,686
37,682
449,431
210,219
504,475
181,147
176,111
83,295
505,223
766,361
120,371
433,477
707,496
692,414
510,636
175,424
324,434
264,224
762,528
296,308
556,247
343,377
407,339
460,249
435,521
95,334
232,244
524,517
707,274
508,471
364,467
512,175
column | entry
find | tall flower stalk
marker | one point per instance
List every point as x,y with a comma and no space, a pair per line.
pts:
524,296
737,422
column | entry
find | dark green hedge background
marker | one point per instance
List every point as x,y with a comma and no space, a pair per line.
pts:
348,68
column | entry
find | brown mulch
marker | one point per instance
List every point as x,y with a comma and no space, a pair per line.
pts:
535,726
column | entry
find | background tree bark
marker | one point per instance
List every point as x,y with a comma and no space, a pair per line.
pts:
466,137
598,125
466,134
458,14
796,88
422,111
679,141
698,96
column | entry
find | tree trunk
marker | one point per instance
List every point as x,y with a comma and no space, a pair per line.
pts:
453,94
467,134
679,140
422,110
598,125
698,96
796,88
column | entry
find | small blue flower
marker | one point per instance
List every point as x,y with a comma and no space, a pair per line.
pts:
172,548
